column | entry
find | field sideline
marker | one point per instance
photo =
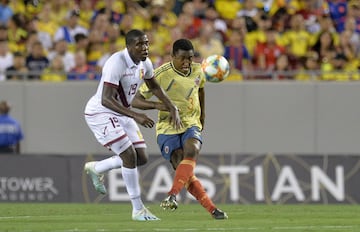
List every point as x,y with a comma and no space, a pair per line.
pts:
61,217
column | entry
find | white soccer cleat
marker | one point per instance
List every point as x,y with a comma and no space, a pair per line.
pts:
144,215
97,178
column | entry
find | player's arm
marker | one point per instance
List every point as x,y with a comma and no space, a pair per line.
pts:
140,102
109,100
161,95
202,106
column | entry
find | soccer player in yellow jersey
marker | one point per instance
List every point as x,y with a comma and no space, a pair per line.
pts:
184,83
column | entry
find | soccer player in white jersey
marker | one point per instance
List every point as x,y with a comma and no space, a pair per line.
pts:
114,124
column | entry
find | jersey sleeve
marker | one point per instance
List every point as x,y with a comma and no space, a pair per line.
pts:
112,72
149,69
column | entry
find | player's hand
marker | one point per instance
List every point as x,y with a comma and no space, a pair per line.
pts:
175,118
144,120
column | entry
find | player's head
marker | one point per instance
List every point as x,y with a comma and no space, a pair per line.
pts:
182,55
137,44
4,107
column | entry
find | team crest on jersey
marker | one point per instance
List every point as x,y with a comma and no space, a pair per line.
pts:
197,80
141,73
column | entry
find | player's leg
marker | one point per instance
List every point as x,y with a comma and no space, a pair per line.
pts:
195,188
137,139
176,157
110,135
170,146
130,172
191,144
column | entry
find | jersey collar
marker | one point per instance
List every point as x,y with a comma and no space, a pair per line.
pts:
180,73
130,63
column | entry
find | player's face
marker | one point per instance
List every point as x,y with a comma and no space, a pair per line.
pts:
139,49
182,60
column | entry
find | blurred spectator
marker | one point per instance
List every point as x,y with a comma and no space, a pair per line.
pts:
94,53
81,42
337,69
310,10
18,71
61,49
16,33
45,22
309,67
111,49
227,8
193,24
207,43
10,131
3,32
219,24
250,13
297,39
236,52
161,9
82,71
266,54
61,10
346,47
325,46
31,39
108,9
86,13
6,59
126,24
352,36
354,12
257,35
326,24
36,61
55,71
70,29
282,68
338,11
5,11
159,37
98,30
44,37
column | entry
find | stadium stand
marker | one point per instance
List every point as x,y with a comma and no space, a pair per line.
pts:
257,37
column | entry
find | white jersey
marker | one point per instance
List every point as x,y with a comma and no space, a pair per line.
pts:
120,71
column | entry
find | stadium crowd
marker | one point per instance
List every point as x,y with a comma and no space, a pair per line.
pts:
58,40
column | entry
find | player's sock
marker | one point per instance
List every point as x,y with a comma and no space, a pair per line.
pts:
182,174
131,178
108,164
197,190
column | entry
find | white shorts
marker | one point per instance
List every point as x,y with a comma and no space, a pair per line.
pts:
115,132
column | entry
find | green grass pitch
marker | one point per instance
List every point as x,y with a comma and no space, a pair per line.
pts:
61,217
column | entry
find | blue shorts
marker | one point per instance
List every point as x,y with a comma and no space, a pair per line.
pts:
169,143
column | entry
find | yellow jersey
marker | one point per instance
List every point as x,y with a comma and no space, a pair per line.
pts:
183,90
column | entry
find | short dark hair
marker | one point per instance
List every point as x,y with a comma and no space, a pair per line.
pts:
182,44
132,35
79,36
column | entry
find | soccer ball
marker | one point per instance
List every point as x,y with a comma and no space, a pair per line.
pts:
216,68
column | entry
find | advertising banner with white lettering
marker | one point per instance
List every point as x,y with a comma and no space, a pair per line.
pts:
34,179
242,179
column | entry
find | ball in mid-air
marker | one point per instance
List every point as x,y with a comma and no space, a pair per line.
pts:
216,68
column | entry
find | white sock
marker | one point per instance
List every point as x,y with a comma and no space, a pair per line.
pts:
131,178
108,164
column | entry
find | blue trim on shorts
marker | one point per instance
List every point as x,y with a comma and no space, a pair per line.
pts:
169,143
